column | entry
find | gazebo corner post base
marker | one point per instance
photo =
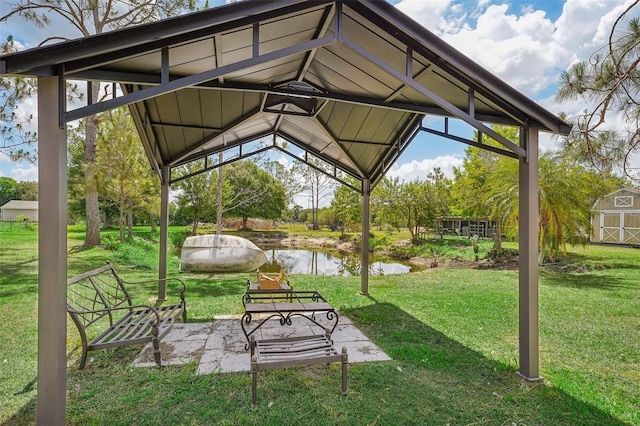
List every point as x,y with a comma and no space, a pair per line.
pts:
538,379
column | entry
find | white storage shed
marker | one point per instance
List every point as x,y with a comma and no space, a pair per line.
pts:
10,211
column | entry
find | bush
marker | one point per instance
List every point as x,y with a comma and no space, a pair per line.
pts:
110,242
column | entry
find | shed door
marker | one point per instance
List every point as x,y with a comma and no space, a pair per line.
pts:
610,227
631,228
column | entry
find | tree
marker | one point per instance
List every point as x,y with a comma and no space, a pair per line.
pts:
253,192
384,201
8,190
122,170
610,85
27,191
316,181
15,138
414,205
469,188
441,192
347,206
564,201
286,176
196,198
75,172
94,17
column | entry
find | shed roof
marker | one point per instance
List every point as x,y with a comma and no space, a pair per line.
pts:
346,82
625,191
20,205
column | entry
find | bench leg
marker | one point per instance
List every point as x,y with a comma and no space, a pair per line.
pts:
156,346
184,310
345,362
83,360
254,380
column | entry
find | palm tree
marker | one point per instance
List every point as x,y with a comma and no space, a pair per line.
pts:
563,214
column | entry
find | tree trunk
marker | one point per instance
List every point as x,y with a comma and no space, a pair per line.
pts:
497,240
92,207
130,223
315,204
153,224
121,223
541,248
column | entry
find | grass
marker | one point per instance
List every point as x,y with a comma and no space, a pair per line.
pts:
452,335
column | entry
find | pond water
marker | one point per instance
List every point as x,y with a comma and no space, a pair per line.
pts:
322,263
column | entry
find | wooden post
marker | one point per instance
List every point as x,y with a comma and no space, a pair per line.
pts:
52,255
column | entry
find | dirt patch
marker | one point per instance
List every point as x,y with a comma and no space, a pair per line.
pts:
503,265
429,263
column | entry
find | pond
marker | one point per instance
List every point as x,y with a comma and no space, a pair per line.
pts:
311,262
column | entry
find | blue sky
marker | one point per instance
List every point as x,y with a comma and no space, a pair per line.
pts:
525,43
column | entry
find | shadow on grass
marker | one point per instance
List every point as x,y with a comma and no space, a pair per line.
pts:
431,379
19,278
203,287
601,281
462,380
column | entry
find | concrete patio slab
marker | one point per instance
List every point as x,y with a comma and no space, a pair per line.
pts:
218,347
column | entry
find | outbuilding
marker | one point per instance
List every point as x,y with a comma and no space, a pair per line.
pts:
10,211
457,225
615,218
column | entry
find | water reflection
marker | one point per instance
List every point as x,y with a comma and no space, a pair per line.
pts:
321,263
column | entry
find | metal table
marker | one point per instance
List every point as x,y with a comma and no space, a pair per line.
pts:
284,305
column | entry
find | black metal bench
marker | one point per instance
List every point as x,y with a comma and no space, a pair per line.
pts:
99,298
269,354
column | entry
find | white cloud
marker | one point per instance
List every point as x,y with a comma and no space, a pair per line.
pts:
519,49
427,13
584,25
23,172
420,169
526,49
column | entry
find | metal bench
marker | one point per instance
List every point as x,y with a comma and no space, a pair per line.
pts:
99,298
269,354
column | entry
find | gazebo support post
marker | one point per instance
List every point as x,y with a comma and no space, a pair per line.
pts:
528,258
164,233
364,262
52,254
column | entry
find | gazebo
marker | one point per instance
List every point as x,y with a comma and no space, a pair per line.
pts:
346,82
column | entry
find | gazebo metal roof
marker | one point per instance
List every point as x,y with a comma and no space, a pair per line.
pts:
347,82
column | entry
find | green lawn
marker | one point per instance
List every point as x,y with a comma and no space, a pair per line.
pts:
452,335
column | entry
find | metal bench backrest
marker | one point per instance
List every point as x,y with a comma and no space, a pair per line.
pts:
94,291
